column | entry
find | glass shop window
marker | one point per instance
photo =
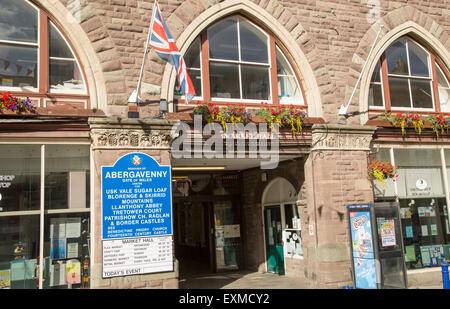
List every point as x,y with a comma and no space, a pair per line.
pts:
423,207
66,235
292,231
426,232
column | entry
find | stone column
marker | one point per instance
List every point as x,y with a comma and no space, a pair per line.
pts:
336,176
110,140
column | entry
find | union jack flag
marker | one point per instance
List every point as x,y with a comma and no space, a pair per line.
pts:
164,45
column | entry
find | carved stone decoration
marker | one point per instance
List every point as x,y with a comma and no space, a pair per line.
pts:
134,139
102,140
335,137
112,140
118,138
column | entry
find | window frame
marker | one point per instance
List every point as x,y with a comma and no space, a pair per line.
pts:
446,75
43,212
433,62
273,44
42,95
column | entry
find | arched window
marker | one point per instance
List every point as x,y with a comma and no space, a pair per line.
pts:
36,61
234,60
408,77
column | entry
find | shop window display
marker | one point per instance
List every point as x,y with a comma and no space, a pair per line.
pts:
62,248
292,232
425,231
423,205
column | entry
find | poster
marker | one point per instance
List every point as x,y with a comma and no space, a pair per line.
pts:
409,231
219,237
72,250
73,272
230,231
73,227
427,211
405,213
58,248
431,255
5,279
57,228
363,254
410,254
424,229
293,243
433,229
387,233
58,274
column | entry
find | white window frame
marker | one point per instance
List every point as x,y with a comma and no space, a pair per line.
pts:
302,100
409,77
380,83
239,63
27,44
74,59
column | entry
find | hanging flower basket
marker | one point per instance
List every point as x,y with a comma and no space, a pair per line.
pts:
16,105
380,170
284,116
230,114
404,121
439,124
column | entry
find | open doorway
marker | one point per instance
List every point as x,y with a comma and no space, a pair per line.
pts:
192,238
207,224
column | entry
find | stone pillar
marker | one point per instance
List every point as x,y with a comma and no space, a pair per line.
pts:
110,140
335,176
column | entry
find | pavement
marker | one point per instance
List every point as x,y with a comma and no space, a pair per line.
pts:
240,280
253,280
196,276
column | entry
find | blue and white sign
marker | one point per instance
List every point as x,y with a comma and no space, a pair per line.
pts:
136,198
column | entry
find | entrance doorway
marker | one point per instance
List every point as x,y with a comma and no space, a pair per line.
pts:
274,240
207,225
192,240
282,225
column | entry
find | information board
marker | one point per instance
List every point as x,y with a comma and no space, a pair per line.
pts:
137,256
136,198
136,217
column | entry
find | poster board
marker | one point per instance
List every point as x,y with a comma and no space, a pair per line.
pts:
364,269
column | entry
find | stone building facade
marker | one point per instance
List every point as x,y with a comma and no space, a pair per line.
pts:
332,47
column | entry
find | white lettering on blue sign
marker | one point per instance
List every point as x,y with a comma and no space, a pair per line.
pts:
136,198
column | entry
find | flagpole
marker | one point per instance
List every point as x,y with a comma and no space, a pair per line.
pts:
134,98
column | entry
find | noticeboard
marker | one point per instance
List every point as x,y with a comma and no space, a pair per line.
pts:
136,216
